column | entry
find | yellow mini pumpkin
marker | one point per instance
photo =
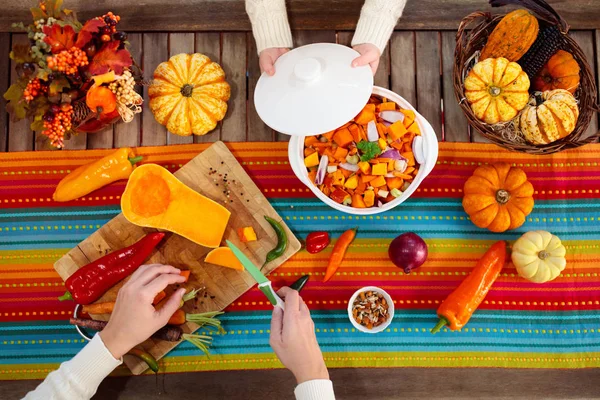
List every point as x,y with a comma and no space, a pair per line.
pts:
539,256
550,116
189,94
497,90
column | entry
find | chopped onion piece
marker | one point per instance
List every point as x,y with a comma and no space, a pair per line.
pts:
322,170
379,203
389,175
331,168
417,148
347,201
387,124
349,167
405,186
391,116
400,165
395,192
392,154
383,193
353,159
372,134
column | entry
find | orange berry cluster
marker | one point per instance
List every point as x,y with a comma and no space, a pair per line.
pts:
111,20
33,89
61,124
68,61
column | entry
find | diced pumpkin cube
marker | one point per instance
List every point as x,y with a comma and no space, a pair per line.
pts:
328,135
340,154
329,153
310,140
382,144
391,165
312,160
360,189
343,137
339,196
346,173
396,130
386,106
410,157
369,198
365,167
354,130
409,117
338,178
246,234
414,128
358,201
397,145
379,169
352,182
394,183
312,175
367,114
378,182
367,178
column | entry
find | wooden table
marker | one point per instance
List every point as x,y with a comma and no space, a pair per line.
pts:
417,64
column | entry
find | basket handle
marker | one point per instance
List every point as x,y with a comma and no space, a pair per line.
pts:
466,21
541,8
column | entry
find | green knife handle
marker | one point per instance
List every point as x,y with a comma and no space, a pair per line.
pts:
267,289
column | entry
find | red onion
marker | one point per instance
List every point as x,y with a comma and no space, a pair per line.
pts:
408,251
391,116
322,170
417,148
392,154
372,134
349,167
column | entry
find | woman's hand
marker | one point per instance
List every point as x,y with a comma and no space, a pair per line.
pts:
369,54
293,338
135,319
267,58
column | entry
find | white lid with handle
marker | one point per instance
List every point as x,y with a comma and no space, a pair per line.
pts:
314,90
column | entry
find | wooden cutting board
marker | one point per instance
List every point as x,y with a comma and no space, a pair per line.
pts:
248,207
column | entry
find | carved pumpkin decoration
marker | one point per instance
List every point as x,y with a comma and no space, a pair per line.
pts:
498,197
539,256
560,72
189,94
550,116
497,90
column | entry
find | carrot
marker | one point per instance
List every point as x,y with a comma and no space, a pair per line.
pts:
185,274
159,296
99,308
338,253
458,307
396,145
168,333
321,145
178,318
403,176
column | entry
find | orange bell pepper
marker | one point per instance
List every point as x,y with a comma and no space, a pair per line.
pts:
89,177
457,309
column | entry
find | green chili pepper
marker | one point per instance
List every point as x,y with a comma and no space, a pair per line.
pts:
299,284
282,241
146,357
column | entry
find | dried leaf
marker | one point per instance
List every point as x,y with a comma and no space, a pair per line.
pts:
58,85
37,124
109,58
53,8
37,13
86,33
59,37
16,104
21,53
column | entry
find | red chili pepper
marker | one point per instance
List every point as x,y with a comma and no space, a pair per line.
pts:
90,282
317,242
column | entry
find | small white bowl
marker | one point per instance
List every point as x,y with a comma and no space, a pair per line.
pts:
387,298
429,148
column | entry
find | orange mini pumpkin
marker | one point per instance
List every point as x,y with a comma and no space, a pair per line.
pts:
101,100
560,72
498,197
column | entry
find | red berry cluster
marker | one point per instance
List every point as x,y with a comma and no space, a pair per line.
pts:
33,89
59,124
68,61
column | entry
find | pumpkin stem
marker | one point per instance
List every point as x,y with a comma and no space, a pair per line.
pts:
542,255
187,90
502,196
539,100
495,91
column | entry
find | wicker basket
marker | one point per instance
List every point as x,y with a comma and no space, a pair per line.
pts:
473,34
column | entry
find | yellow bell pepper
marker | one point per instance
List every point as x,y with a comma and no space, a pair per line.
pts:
93,176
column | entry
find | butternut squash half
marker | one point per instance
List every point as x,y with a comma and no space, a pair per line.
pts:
155,198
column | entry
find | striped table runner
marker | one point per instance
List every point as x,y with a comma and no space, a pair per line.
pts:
519,325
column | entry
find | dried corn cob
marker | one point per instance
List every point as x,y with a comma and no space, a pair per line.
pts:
548,42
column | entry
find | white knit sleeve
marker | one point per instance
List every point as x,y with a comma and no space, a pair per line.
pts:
270,25
317,389
78,378
377,21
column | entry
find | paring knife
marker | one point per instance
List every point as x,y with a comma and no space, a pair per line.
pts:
264,284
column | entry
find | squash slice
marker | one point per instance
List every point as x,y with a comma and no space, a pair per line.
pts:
224,257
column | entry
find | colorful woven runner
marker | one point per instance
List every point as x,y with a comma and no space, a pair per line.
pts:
519,325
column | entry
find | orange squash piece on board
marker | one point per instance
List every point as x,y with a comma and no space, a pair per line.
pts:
154,198
186,275
343,137
367,114
224,257
246,234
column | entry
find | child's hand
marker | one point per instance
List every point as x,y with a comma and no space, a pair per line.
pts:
135,319
293,338
267,59
369,54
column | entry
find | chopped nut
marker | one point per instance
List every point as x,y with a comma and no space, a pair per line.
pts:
370,309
